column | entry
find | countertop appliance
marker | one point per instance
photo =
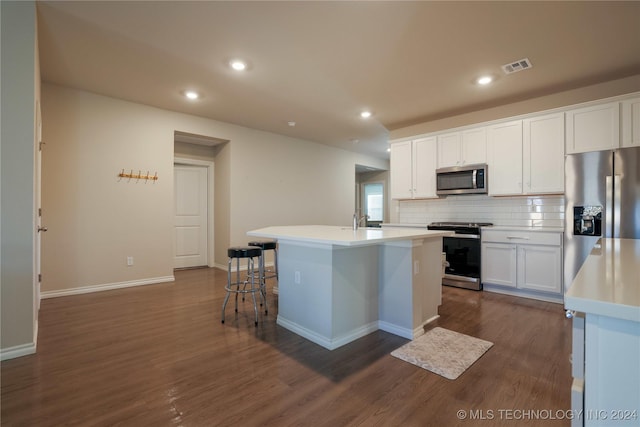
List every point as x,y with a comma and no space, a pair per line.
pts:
463,251
602,199
467,179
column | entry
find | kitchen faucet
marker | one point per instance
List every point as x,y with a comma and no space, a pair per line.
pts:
357,221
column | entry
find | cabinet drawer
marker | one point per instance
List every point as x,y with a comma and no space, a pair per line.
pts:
522,237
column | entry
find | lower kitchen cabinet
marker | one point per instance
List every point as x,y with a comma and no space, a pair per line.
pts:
525,263
499,264
540,268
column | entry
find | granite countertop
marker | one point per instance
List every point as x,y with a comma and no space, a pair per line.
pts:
608,282
344,236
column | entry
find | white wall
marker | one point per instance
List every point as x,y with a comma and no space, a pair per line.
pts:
19,97
96,220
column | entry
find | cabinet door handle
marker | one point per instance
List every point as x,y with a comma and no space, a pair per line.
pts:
517,237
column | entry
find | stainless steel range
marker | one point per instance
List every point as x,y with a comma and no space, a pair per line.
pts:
463,253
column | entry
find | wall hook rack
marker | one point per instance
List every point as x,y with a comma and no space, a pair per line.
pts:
139,175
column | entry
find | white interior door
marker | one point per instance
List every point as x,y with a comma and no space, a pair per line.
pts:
191,216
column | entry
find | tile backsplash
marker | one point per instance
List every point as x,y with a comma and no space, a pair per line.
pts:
534,211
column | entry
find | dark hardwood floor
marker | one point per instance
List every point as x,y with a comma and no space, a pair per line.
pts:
158,355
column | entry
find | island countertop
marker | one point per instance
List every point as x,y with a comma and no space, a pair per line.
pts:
608,283
344,236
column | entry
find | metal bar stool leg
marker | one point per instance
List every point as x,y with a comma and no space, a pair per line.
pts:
262,283
253,288
226,297
251,284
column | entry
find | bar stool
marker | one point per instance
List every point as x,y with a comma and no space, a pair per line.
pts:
240,286
267,245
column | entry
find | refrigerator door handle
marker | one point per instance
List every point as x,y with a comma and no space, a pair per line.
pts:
609,206
617,187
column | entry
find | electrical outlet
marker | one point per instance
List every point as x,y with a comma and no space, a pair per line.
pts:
129,261
297,277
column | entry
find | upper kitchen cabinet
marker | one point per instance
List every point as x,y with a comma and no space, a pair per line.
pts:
413,169
462,148
543,154
593,128
527,156
504,158
401,170
631,123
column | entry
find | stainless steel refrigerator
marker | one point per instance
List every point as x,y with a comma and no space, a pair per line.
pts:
602,199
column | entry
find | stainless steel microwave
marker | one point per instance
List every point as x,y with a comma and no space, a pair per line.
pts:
468,179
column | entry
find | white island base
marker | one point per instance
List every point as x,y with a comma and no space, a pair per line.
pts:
336,285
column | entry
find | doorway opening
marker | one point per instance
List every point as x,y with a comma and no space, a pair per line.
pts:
371,194
193,187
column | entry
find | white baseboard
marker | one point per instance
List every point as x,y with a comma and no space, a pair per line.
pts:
395,329
105,287
17,351
558,299
354,334
420,329
328,343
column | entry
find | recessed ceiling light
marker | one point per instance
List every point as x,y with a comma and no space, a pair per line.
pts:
291,123
388,149
238,65
192,95
484,80
365,114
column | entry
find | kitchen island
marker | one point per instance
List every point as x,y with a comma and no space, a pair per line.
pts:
606,335
337,284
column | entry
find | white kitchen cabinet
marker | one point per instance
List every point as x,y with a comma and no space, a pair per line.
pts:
527,156
413,169
539,268
401,170
504,158
593,128
449,150
462,148
543,154
529,263
474,146
630,123
499,264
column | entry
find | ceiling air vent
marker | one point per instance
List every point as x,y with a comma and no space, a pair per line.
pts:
514,67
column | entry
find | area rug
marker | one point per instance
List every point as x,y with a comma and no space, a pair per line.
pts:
443,352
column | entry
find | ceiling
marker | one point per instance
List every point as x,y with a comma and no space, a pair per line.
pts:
320,64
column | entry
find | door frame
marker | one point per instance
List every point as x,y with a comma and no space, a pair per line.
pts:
210,205
38,212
